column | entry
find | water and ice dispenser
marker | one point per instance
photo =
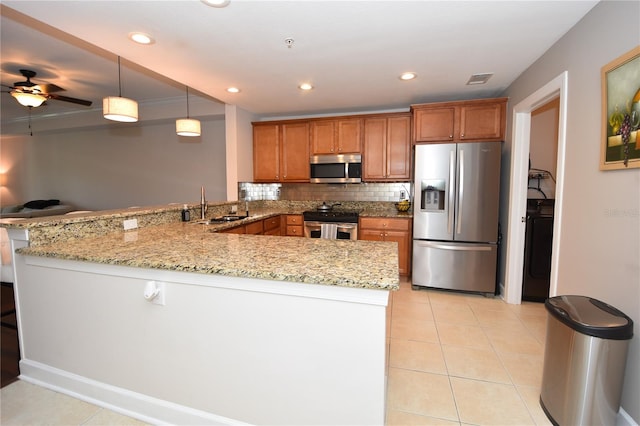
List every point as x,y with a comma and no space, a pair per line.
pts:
433,195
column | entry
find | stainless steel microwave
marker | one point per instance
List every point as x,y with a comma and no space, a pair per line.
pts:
343,168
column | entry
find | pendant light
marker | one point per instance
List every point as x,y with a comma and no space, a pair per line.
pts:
117,108
187,126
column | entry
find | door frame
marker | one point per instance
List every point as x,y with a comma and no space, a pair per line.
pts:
519,182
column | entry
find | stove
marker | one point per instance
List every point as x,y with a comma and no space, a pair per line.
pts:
332,224
333,216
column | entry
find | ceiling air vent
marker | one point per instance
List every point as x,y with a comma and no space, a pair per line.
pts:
479,78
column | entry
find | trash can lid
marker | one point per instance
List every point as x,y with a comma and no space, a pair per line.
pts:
591,317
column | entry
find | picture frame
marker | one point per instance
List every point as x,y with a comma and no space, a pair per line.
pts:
620,142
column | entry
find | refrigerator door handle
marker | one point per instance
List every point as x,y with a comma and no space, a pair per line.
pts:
452,181
460,193
457,247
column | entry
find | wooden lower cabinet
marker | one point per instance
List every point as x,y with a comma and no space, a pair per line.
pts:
235,230
271,226
254,228
390,229
293,224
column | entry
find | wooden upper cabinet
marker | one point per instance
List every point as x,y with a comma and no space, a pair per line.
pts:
294,160
266,153
281,152
349,136
387,148
482,122
464,121
336,136
434,124
323,137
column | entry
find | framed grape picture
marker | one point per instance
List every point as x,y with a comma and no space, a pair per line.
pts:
620,144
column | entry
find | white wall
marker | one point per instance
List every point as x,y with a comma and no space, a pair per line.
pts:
120,166
239,140
600,242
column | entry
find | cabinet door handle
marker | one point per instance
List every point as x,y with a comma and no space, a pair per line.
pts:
450,136
462,136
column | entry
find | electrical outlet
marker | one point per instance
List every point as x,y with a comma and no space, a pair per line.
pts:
402,195
130,224
160,299
154,292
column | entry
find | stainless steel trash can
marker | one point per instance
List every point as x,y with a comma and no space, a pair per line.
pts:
584,361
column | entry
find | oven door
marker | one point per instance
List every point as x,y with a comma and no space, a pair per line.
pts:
345,231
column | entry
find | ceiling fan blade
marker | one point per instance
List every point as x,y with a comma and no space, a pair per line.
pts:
49,88
68,99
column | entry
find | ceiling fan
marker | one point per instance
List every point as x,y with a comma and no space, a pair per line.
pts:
31,94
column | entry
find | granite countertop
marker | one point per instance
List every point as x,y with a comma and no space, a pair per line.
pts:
193,247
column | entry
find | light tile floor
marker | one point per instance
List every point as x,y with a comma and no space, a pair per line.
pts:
453,359
462,359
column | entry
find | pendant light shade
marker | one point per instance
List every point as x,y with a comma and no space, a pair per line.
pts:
188,126
28,99
117,108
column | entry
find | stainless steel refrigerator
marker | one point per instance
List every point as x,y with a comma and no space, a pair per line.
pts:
455,216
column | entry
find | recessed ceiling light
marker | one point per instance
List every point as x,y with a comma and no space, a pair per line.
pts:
141,38
305,86
233,90
479,78
408,76
216,3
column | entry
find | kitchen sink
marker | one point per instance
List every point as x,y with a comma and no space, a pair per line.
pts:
227,218
219,219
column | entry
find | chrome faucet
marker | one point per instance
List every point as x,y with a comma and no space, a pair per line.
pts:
203,204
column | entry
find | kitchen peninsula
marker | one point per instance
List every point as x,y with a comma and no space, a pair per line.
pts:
246,329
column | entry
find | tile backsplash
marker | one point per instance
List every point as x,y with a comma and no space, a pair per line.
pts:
248,191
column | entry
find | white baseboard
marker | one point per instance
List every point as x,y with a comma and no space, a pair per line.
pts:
139,406
624,419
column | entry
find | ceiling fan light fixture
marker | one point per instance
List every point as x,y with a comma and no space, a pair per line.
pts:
28,99
117,108
188,127
305,86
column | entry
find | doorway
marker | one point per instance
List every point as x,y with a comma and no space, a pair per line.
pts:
556,88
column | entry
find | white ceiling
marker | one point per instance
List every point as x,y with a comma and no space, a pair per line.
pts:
351,51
